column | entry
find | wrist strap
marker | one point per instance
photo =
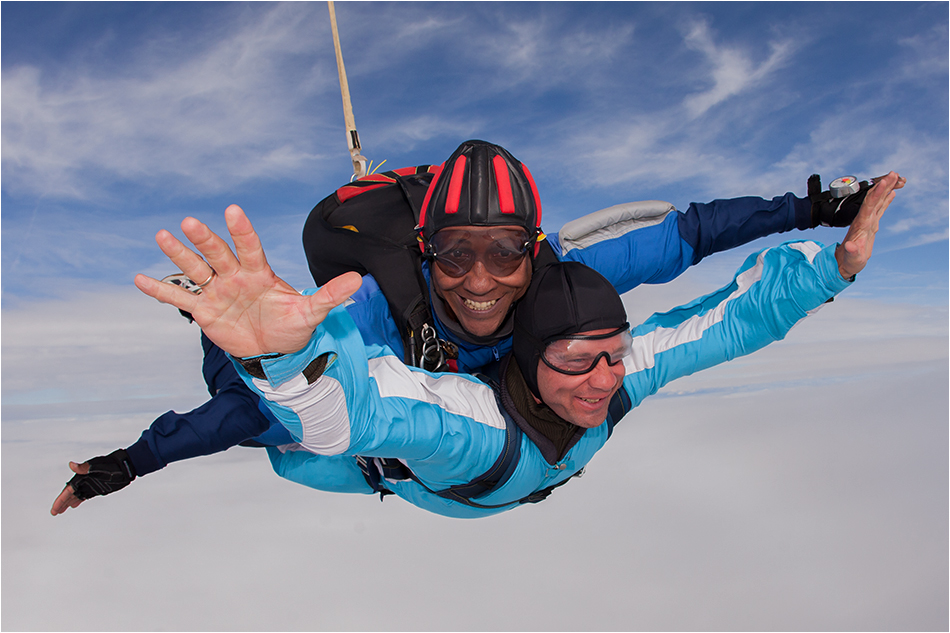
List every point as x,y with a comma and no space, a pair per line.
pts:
252,365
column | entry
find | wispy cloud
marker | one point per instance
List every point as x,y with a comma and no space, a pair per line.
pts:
731,69
205,122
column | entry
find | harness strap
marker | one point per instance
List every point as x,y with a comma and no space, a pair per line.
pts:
499,473
619,406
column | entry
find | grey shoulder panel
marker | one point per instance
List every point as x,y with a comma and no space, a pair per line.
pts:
612,222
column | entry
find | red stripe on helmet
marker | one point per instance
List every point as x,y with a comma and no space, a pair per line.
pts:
437,170
506,202
537,197
537,207
454,194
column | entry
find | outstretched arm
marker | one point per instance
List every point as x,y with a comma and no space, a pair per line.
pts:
243,307
772,291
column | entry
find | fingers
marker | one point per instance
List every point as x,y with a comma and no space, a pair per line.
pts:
878,199
332,294
858,244
901,181
189,262
214,249
217,254
167,293
246,242
66,499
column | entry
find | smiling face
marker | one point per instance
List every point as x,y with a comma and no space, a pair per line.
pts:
584,399
480,299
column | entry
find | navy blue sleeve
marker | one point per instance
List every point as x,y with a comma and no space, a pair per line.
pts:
232,416
723,224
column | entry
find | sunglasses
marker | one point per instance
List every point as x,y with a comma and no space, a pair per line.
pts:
576,355
501,251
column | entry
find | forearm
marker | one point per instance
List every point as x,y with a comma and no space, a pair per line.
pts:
232,416
724,224
661,252
229,418
313,406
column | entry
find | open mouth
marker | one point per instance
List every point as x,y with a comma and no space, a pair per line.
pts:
479,306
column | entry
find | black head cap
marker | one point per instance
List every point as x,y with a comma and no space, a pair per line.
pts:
564,298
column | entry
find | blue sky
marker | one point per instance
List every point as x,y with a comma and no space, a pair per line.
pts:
119,119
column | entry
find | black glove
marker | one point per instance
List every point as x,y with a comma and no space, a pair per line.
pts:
828,211
106,475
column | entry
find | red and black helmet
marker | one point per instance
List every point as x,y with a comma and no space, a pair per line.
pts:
481,184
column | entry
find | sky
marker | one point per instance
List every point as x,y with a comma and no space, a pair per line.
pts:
803,487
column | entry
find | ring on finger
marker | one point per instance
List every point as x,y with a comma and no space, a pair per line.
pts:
208,280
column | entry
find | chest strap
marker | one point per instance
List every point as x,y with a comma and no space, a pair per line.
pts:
375,469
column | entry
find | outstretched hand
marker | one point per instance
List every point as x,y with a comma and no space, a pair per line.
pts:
855,251
243,307
67,498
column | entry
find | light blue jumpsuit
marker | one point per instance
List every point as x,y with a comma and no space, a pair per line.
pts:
447,427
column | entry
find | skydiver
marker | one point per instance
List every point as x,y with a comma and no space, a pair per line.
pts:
471,297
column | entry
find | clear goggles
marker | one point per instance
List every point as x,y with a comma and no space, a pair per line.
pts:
500,250
576,355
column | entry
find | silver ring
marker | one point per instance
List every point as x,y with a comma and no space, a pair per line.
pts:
208,280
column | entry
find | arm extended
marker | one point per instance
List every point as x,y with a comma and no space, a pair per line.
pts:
771,292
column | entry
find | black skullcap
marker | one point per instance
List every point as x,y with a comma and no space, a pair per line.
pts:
564,298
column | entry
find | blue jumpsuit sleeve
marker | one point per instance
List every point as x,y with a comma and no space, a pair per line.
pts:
233,414
366,401
772,291
236,414
660,253
724,224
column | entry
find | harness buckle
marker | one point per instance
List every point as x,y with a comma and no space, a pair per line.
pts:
435,350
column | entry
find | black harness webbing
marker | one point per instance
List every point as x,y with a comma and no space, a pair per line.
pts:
375,469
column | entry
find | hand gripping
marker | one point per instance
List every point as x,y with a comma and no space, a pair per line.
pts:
826,210
107,474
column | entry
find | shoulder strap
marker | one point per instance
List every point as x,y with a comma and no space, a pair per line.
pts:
501,470
368,226
499,473
619,406
545,255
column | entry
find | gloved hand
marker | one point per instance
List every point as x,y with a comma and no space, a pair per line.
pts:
106,475
829,211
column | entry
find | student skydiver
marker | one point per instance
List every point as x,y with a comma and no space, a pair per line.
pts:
480,229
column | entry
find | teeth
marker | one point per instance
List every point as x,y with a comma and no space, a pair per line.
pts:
592,400
480,305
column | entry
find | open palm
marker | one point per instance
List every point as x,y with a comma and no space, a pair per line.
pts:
245,309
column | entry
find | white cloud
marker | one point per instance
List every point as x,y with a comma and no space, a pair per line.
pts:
206,122
732,70
793,488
